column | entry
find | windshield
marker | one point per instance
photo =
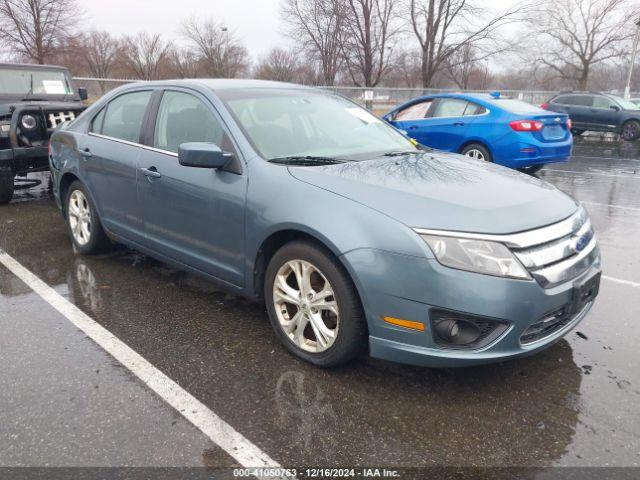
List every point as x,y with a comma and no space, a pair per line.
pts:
297,123
34,82
626,104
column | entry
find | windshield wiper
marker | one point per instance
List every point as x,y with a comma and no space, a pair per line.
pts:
402,153
307,160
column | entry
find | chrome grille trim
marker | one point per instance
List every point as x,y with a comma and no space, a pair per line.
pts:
569,268
554,251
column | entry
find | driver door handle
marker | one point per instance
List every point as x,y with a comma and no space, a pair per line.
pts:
151,172
86,153
458,124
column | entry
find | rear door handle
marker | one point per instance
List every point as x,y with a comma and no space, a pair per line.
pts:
413,127
86,153
151,172
458,124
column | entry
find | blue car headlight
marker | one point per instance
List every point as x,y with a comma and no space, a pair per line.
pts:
480,256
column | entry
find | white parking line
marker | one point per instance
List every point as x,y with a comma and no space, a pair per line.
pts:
220,432
608,205
631,175
623,282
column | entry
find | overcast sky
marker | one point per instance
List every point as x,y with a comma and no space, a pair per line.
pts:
256,22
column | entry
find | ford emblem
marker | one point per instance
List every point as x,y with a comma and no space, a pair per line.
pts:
581,243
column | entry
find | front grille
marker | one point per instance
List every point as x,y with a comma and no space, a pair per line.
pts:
55,118
558,253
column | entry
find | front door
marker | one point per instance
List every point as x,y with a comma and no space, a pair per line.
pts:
192,215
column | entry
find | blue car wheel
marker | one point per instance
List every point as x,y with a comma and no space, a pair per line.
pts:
477,151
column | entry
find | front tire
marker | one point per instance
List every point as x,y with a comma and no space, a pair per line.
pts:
84,225
630,130
477,151
6,185
313,305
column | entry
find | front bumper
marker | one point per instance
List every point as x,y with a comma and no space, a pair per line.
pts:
410,288
25,159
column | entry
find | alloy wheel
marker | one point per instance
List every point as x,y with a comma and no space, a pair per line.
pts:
80,217
474,153
306,306
630,131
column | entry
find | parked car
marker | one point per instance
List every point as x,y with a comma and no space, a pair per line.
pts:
34,100
352,235
487,127
635,101
599,112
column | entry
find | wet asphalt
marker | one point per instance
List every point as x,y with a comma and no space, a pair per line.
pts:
64,401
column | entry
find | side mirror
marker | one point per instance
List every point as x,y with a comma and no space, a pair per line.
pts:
82,92
615,108
203,155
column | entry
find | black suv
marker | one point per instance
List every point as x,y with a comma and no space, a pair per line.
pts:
34,100
599,112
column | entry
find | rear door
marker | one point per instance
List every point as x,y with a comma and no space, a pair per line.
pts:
580,111
192,215
110,155
447,125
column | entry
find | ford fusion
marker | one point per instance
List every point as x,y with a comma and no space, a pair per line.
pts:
354,236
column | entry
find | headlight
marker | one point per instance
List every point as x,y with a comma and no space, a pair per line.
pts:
28,122
480,256
5,128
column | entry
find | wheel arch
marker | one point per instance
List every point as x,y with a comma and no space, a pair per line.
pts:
276,240
65,182
472,141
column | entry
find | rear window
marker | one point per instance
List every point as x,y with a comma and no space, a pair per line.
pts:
518,106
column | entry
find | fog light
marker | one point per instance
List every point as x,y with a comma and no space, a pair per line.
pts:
460,330
457,332
28,122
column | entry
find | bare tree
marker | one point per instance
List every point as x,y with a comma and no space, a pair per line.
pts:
576,35
145,55
462,64
37,29
280,65
366,38
444,27
317,24
220,52
184,63
97,53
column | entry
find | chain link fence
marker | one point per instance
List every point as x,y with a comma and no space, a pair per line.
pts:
379,99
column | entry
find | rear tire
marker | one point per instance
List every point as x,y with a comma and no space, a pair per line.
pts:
343,322
6,185
532,169
477,151
84,225
630,130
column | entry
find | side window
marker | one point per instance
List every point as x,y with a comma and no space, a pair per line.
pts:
124,116
450,107
602,102
474,109
583,100
563,100
98,120
184,118
414,112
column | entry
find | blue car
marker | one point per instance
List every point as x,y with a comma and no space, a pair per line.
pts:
352,236
487,127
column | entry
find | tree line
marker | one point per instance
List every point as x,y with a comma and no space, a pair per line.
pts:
541,44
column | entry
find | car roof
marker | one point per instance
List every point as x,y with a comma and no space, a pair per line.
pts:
217,84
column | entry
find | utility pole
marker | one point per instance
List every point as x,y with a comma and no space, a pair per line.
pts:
227,61
627,88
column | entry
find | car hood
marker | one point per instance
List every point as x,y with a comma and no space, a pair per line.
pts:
445,192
